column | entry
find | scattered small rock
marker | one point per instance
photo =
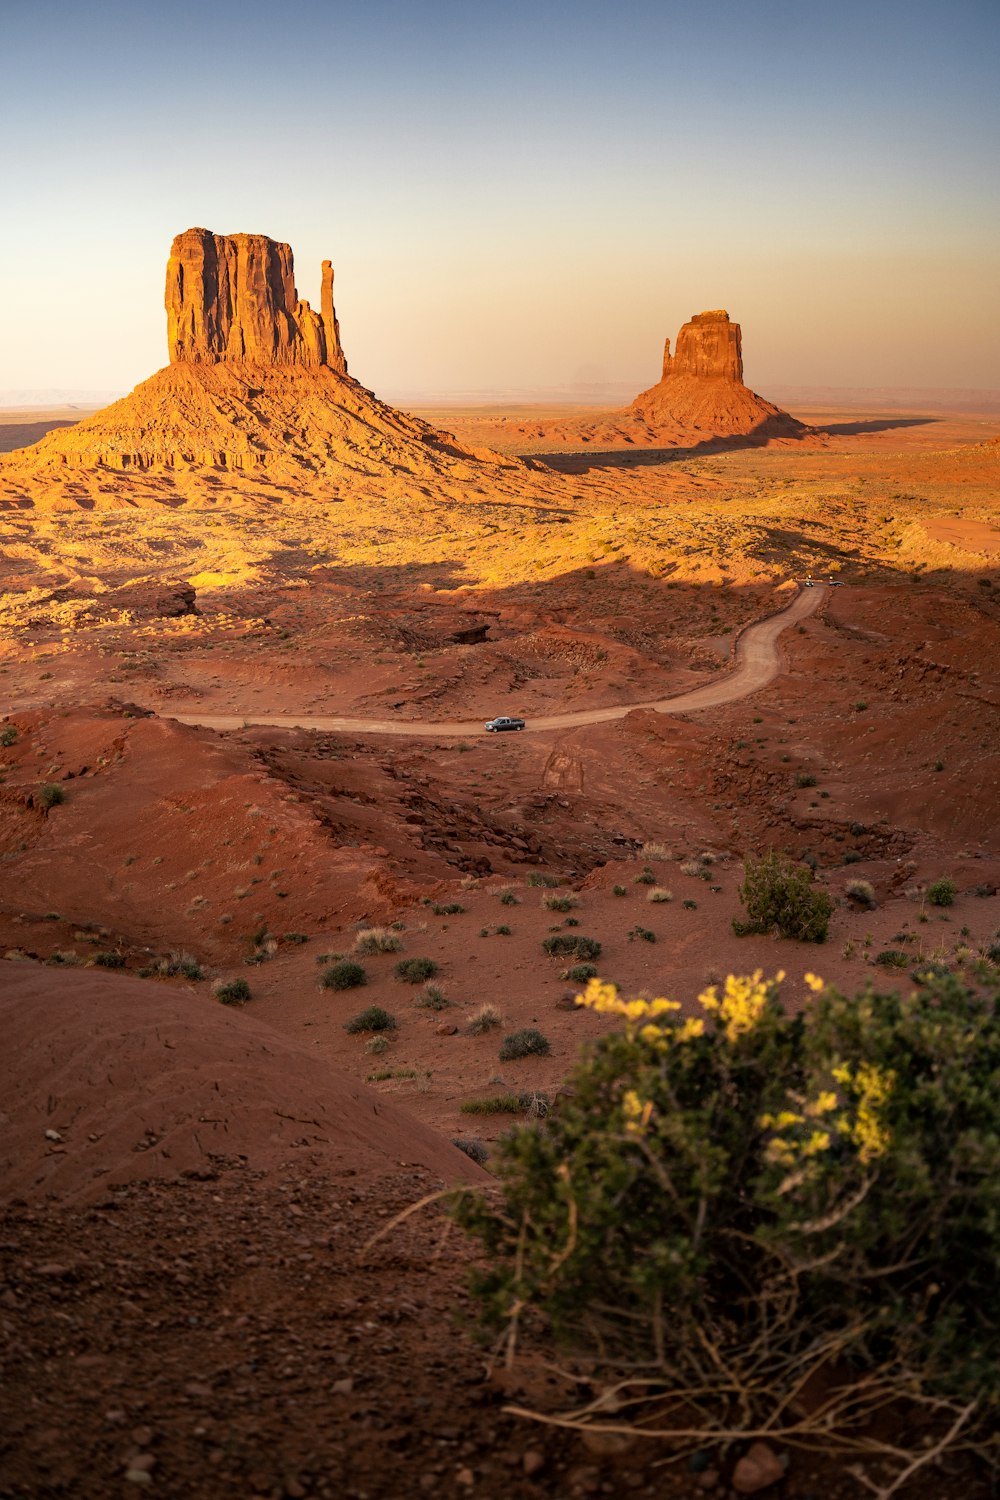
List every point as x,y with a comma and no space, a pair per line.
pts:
759,1467
532,1462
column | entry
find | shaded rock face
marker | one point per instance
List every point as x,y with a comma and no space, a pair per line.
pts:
232,299
709,347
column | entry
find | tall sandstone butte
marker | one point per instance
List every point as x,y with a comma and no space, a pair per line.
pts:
231,299
701,390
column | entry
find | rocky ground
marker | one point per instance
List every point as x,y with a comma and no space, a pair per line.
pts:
228,1332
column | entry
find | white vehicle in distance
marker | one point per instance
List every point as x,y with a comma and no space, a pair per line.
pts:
496,726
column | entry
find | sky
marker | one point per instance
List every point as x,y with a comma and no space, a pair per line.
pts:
519,198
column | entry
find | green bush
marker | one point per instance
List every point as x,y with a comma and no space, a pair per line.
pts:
892,958
372,1018
110,960
645,877
50,794
525,1043
571,943
8,736
507,898
619,890
580,973
415,970
234,992
447,908
758,1193
942,892
779,894
537,879
343,975
805,778
642,933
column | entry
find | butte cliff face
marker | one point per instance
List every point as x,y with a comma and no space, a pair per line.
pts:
701,390
231,299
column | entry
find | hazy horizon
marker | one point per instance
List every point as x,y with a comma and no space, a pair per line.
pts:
522,200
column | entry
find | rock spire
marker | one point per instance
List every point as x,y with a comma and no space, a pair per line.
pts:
231,299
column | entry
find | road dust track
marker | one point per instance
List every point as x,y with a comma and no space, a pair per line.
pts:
757,663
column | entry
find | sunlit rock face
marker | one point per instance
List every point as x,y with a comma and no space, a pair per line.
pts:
231,299
709,347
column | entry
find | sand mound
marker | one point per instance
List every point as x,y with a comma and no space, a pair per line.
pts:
134,1079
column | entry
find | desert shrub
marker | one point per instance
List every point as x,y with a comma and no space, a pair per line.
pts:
501,930
415,970
536,878
493,1104
50,794
507,898
659,893
560,903
942,892
447,908
484,1019
432,998
645,877
892,958
642,934
182,964
378,1044
232,991
861,891
654,850
571,943
861,705
345,974
372,1018
805,778
692,867
8,736
992,952
111,959
779,894
295,939
474,1148
580,973
619,890
525,1043
852,857
377,940
748,1191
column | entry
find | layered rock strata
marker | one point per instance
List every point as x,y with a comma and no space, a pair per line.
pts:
231,299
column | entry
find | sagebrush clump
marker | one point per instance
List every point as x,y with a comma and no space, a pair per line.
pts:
415,970
372,1018
528,1042
345,974
779,894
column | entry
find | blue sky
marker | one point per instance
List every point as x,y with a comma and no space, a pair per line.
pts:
515,197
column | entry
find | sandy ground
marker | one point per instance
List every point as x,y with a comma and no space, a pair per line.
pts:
587,593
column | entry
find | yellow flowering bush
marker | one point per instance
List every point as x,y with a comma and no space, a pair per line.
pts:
724,1186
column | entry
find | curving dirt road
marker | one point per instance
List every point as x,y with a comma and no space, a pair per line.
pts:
757,663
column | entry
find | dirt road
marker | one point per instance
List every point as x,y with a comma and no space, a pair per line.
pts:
758,662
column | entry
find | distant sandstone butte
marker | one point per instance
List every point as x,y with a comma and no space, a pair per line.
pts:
701,389
231,299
